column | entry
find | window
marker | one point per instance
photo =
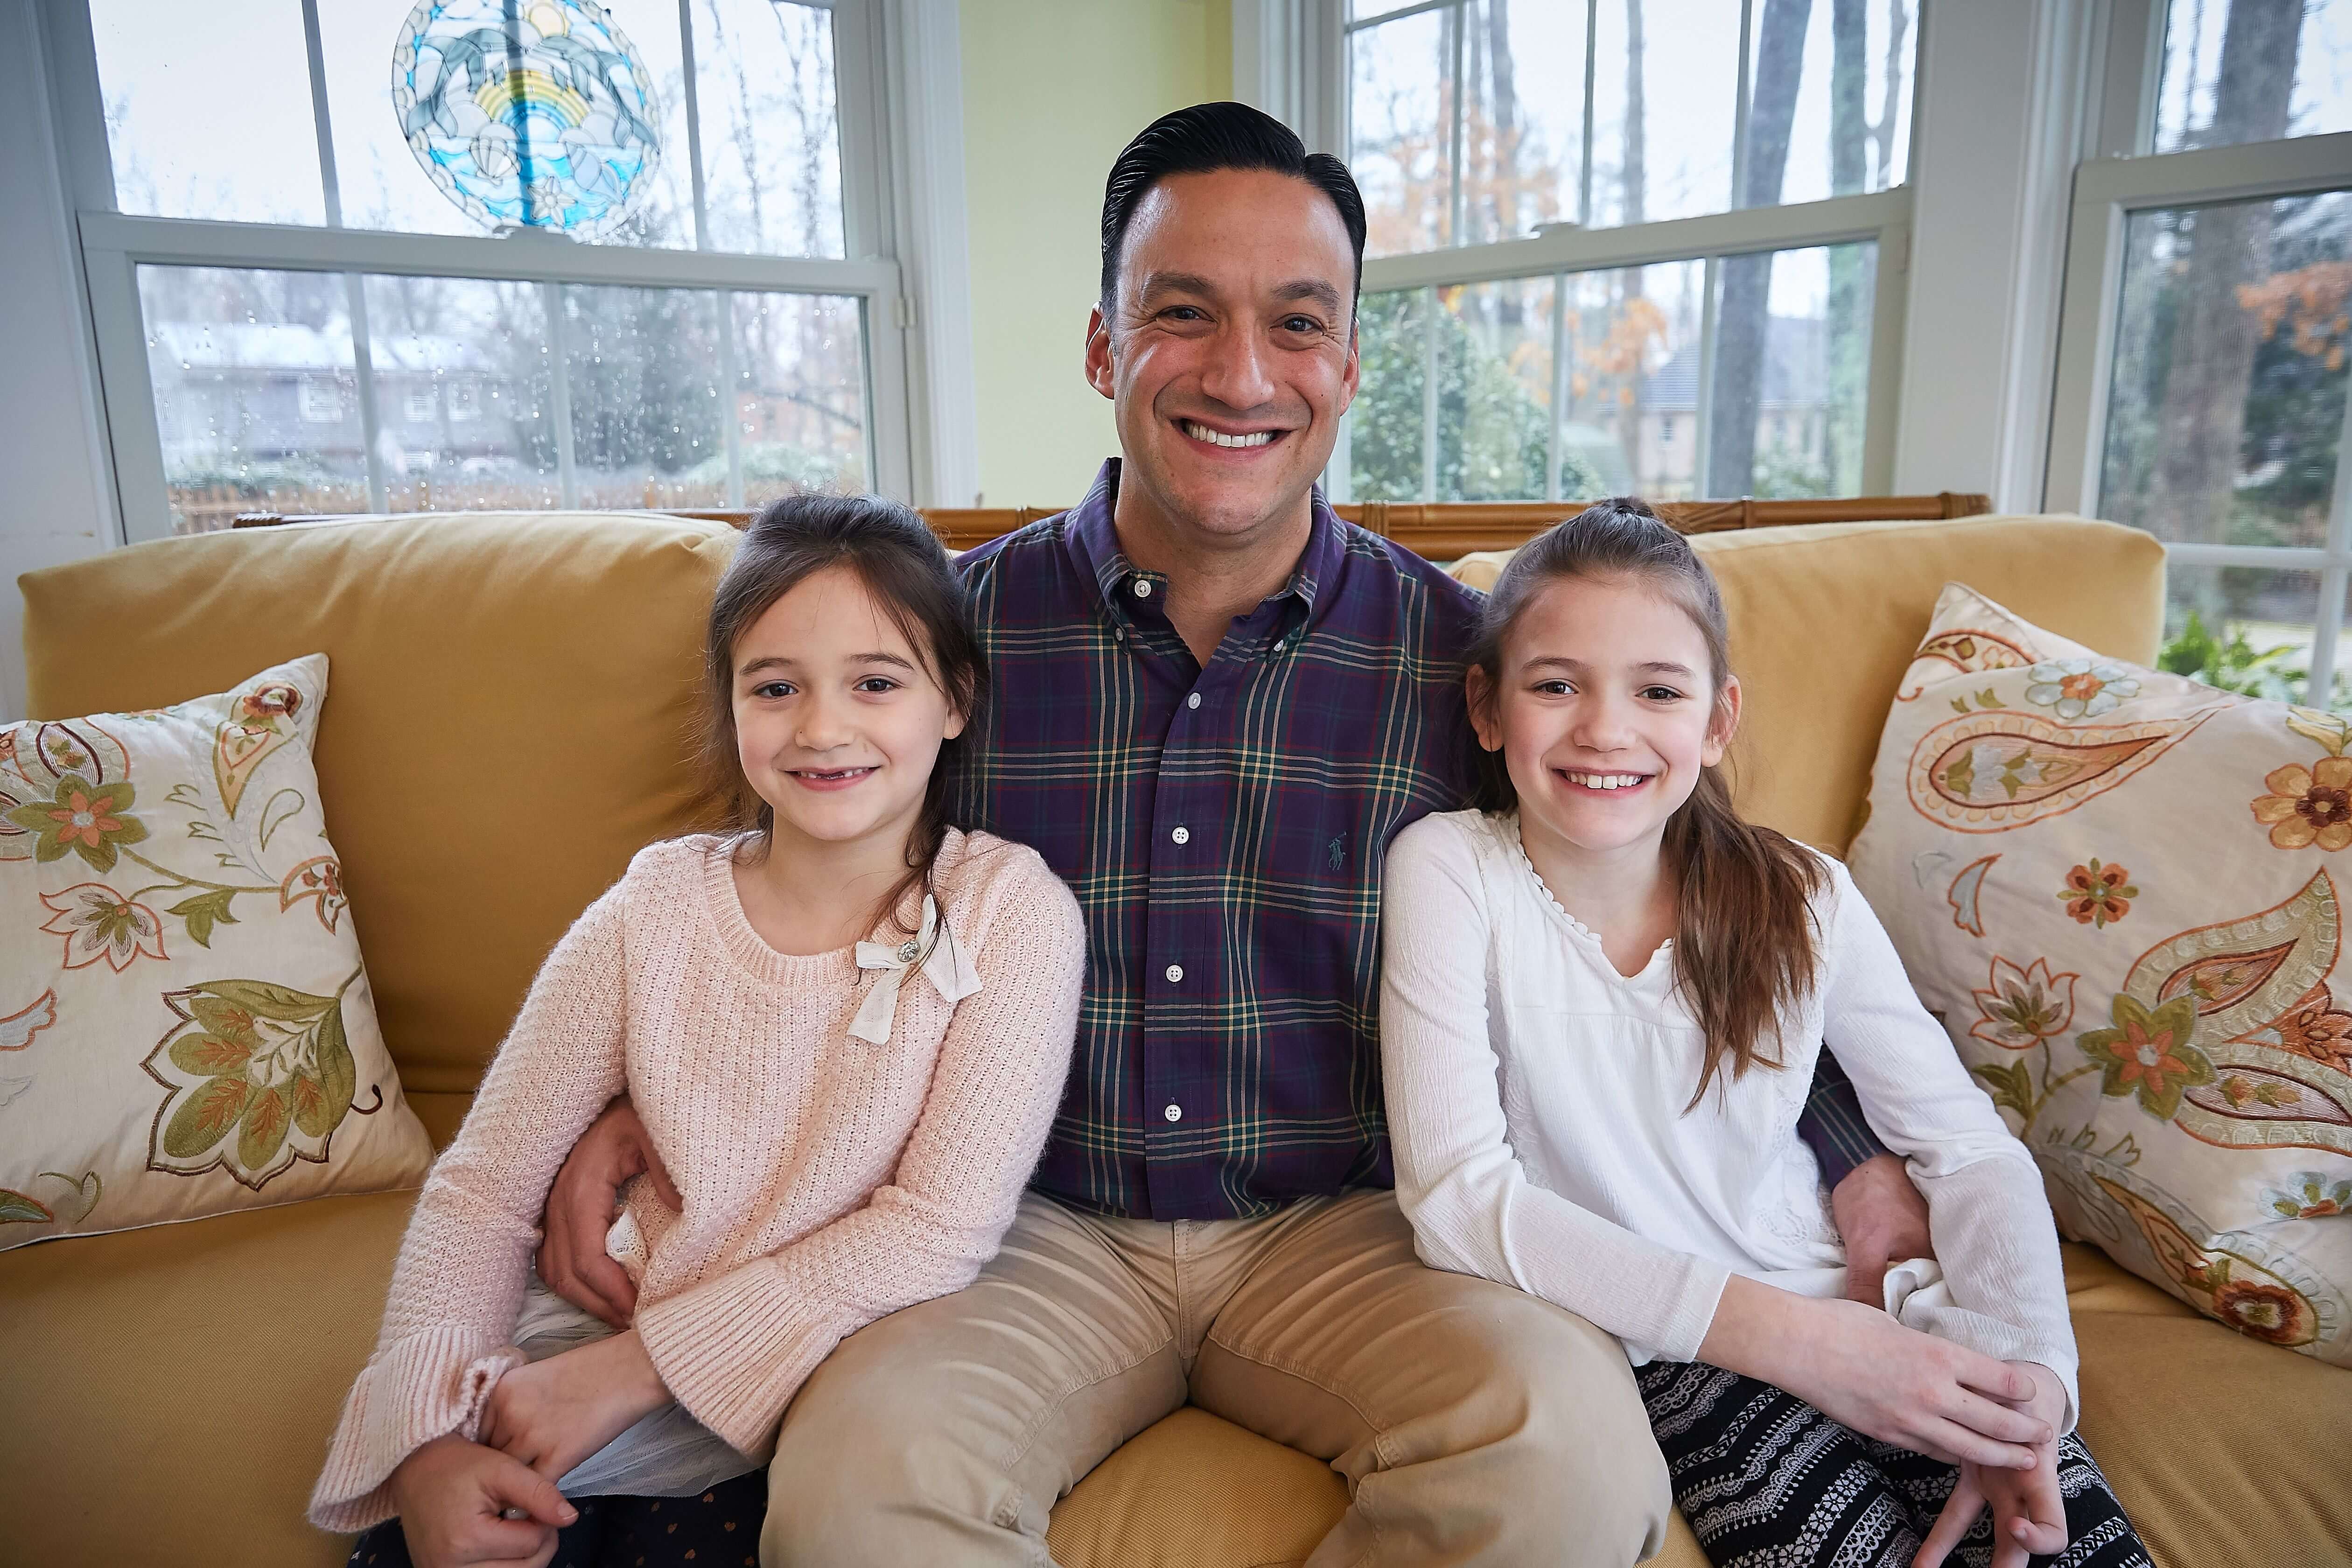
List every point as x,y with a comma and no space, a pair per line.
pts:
2202,358
605,263
1588,221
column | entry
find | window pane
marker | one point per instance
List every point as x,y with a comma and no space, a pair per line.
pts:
256,400
1830,107
1401,110
385,183
1624,383
799,395
1791,395
170,75
770,129
2244,628
2226,398
462,393
2254,70
1859,57
1665,92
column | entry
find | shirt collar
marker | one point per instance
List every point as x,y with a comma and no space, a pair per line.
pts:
1093,542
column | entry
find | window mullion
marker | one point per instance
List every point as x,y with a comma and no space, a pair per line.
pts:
1429,398
693,123
330,187
1559,383
1741,97
1454,194
1591,63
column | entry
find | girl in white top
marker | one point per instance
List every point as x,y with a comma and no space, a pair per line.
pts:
1602,1005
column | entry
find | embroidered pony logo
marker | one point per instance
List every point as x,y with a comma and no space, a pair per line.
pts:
1339,853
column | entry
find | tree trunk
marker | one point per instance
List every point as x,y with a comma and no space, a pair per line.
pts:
2203,416
1742,325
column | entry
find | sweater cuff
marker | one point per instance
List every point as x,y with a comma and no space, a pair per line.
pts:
734,1351
1692,1310
424,1386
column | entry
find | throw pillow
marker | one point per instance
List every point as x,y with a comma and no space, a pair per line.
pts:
185,1020
2121,891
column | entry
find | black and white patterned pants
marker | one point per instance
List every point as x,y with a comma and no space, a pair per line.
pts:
1767,1482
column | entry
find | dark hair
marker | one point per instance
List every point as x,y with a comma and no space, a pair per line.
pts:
1208,137
1744,945
904,566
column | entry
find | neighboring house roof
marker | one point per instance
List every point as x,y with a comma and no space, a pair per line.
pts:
260,345
1796,370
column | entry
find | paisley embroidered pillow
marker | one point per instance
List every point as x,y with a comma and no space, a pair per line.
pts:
185,1026
2121,891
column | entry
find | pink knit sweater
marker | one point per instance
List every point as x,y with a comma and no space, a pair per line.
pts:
827,1181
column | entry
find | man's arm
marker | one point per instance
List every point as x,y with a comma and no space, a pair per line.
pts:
583,1204
1880,1215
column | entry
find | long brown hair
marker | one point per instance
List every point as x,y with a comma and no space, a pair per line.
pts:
905,567
1744,942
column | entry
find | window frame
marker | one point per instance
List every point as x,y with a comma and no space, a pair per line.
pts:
2129,177
112,244
1558,250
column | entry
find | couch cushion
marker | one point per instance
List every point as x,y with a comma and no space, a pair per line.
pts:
1194,1491
168,1391
2222,1448
514,701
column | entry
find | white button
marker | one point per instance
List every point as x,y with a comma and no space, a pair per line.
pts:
1280,643
1193,700
1118,633
1175,972
1174,1113
1143,587
1180,834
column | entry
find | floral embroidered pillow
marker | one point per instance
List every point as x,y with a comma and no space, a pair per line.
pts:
185,1026
2121,892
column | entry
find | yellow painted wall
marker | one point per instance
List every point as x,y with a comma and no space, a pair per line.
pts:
1052,90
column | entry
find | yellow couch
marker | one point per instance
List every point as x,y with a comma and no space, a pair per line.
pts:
507,718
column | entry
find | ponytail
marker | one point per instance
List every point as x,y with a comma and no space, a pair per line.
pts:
1745,947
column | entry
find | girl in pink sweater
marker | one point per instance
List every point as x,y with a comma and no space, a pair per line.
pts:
845,1026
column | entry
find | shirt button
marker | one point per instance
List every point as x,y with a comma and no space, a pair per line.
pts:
1175,972
1143,587
1193,700
1174,1113
1182,834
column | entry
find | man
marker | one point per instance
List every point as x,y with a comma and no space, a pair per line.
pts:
1216,703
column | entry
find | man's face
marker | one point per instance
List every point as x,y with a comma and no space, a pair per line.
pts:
1232,352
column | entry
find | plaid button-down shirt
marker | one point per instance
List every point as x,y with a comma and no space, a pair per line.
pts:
1222,828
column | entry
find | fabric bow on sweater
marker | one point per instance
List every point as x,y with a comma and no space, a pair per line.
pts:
943,960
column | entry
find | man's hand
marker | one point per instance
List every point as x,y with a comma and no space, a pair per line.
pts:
453,1498
553,1414
1880,1216
583,1206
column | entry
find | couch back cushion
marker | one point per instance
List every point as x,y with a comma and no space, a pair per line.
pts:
515,696
1825,619
513,712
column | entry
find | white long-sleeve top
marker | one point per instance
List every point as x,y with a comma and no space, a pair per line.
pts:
1536,1107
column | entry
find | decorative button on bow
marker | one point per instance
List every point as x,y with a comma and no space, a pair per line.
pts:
934,951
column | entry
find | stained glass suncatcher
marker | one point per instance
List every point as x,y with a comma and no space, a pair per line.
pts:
531,112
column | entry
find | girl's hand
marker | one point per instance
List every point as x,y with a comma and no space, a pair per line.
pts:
2029,1512
553,1414
1865,1370
452,1498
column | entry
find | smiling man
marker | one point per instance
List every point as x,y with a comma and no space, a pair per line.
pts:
1217,704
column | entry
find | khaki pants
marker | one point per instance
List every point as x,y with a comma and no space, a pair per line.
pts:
1474,1423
